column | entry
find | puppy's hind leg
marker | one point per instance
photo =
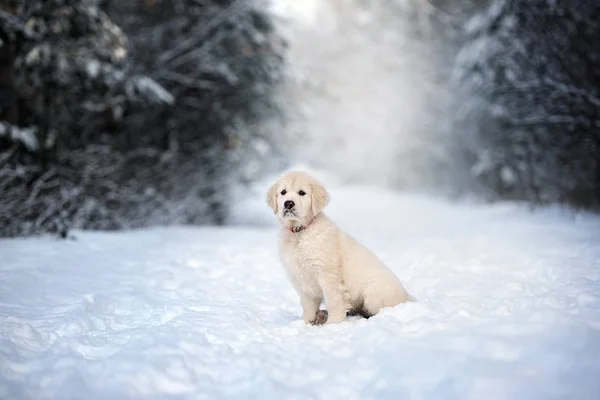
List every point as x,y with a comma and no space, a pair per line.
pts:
379,295
335,299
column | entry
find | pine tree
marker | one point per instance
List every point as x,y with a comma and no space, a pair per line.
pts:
95,136
529,79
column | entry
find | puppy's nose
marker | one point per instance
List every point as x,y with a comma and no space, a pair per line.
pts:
289,204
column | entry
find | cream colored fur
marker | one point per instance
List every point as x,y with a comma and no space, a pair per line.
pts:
324,263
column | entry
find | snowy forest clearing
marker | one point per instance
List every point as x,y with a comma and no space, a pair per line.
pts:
508,308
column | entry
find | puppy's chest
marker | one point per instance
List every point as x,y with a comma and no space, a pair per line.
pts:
302,260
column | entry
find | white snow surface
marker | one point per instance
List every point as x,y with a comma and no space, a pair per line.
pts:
508,308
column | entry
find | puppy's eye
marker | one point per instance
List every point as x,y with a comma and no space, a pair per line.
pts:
283,192
302,193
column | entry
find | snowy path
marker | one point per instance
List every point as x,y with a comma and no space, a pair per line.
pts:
509,308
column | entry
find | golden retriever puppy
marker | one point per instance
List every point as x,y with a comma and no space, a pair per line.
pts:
324,263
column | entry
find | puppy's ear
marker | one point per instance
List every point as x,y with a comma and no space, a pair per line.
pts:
272,198
319,197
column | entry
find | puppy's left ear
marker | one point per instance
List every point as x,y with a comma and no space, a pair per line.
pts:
272,198
319,197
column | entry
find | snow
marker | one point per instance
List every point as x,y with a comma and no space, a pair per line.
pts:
508,308
25,136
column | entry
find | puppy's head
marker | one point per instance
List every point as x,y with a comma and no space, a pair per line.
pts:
297,196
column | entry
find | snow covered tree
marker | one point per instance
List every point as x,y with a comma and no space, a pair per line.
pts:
66,63
529,83
96,133
223,62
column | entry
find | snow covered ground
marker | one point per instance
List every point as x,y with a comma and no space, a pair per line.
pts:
508,308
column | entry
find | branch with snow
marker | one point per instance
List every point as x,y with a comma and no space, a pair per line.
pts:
25,136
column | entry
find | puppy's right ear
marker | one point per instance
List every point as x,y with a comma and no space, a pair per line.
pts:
272,198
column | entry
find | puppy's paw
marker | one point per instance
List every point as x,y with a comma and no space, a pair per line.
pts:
321,317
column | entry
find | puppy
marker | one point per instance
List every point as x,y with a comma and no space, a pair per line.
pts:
324,263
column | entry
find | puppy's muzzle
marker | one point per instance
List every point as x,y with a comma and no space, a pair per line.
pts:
288,208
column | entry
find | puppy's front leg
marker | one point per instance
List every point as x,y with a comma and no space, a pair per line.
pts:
335,301
310,306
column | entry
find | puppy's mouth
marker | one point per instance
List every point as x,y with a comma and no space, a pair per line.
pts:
290,213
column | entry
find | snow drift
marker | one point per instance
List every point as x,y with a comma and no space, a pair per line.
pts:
508,308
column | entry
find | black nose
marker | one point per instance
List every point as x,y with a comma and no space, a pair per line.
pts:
289,204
